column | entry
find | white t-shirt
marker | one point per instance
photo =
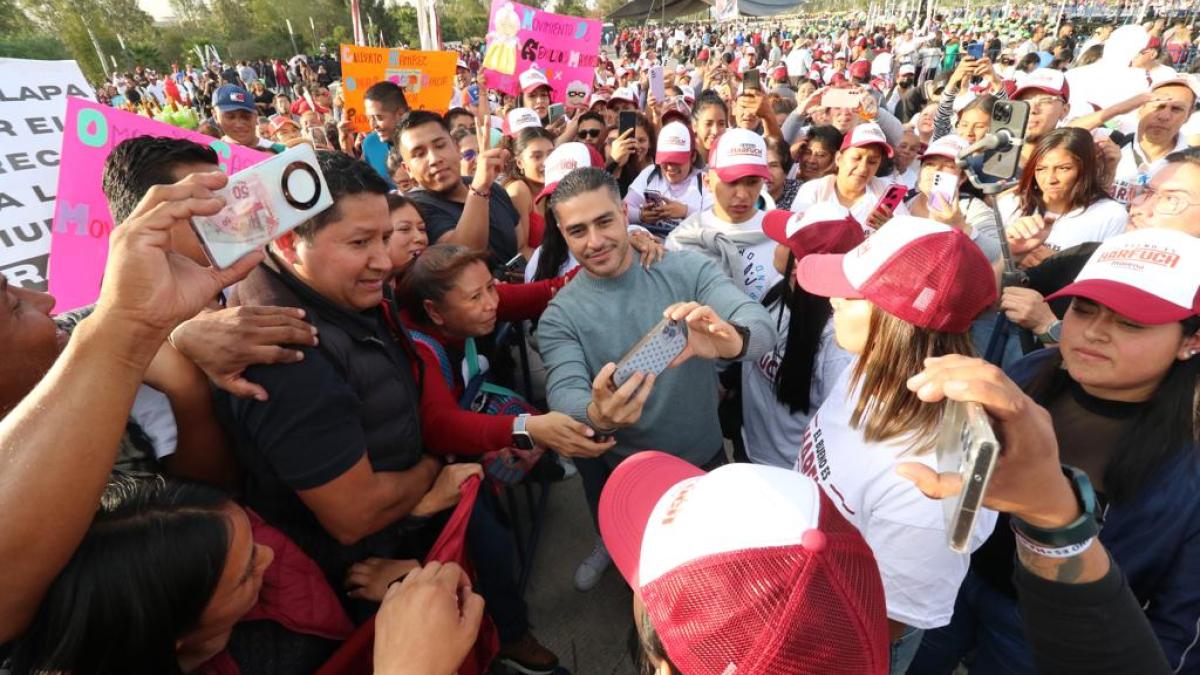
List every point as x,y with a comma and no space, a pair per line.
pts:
1134,171
909,177
821,190
771,431
905,530
758,260
152,412
1097,222
690,191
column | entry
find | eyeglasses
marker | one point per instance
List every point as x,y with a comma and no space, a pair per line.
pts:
1042,101
1165,203
589,133
468,155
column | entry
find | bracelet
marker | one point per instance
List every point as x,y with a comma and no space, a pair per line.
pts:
477,193
1082,529
1069,551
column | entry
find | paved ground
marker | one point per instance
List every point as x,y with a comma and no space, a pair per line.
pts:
588,631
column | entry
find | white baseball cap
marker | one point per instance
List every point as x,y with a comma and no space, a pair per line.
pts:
674,144
867,134
1149,275
533,79
521,118
597,97
563,160
908,69
950,146
1049,80
689,93
739,153
623,94
1169,78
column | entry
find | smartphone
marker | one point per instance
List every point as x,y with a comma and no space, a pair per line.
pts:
658,87
967,446
263,202
317,136
890,199
652,197
751,80
516,263
841,98
626,120
654,352
975,50
944,190
557,110
1010,116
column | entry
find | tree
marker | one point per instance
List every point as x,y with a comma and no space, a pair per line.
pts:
572,8
463,20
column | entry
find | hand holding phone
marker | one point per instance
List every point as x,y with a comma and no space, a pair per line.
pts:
750,80
626,120
943,192
654,352
886,206
966,446
557,110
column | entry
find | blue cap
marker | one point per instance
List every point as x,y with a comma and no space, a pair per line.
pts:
232,97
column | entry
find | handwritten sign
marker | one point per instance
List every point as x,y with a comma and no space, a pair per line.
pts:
33,102
565,48
426,77
82,220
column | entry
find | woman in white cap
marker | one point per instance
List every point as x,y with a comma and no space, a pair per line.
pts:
855,185
1120,389
530,149
939,174
907,293
672,188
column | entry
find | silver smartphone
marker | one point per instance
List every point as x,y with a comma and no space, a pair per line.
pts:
263,202
654,352
966,446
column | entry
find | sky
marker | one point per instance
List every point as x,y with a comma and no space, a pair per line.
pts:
158,9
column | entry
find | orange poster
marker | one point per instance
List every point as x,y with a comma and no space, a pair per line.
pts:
426,77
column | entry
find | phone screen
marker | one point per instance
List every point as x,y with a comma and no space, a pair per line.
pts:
557,110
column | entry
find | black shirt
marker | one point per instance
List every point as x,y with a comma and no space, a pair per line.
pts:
1058,271
441,215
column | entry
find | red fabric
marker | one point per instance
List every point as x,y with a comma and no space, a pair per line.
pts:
355,657
448,429
537,229
294,595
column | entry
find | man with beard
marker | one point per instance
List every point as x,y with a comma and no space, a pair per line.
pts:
457,210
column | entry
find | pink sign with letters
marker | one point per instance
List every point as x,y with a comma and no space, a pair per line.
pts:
565,48
82,220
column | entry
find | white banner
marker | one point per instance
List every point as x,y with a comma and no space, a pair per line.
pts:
33,103
724,10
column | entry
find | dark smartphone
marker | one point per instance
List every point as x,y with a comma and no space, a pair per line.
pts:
626,121
516,263
1010,116
750,80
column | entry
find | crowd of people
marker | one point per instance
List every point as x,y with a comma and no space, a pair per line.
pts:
234,470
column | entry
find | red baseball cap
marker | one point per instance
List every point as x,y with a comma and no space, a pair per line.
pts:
739,153
860,69
674,144
747,568
866,134
826,227
1148,275
915,269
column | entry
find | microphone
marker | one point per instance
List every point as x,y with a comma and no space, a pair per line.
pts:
1001,139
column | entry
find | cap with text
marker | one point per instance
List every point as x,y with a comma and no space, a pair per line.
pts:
1151,275
533,79
825,227
1047,80
746,569
229,97
563,160
739,153
521,118
674,144
865,135
918,270
950,146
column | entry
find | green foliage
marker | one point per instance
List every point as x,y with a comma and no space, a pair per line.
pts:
464,20
36,46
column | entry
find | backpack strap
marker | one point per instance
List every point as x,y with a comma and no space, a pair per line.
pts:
439,351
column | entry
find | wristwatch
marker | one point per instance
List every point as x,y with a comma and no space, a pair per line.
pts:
745,333
1082,529
521,438
1053,334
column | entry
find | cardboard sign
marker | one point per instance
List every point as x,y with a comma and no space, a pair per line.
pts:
82,220
426,77
565,48
33,102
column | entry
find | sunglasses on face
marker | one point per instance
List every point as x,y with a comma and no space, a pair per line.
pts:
468,155
589,133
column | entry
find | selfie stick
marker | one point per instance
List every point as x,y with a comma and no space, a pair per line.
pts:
999,141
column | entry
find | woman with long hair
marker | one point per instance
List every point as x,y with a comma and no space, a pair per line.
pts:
409,238
629,153
908,293
529,151
1060,201
672,188
1121,389
710,119
855,185
782,390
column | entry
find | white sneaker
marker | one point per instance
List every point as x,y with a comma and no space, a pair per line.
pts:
592,568
568,467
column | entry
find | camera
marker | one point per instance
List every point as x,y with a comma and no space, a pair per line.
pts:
1002,112
263,202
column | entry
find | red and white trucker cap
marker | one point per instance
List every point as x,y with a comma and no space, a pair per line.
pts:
674,144
532,79
918,270
1151,275
739,153
563,160
520,118
866,134
947,146
747,569
825,227
1048,80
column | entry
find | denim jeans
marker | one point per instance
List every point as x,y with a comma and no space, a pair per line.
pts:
986,622
494,553
904,649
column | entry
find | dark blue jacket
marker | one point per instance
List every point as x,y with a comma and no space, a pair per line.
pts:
1155,538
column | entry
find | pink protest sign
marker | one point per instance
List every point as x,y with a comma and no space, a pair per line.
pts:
82,220
565,48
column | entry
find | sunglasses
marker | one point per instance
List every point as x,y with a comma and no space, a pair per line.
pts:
589,133
469,155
